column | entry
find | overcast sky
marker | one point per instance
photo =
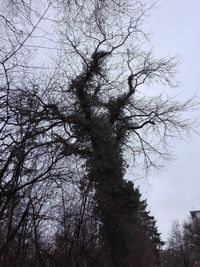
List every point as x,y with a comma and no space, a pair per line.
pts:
173,193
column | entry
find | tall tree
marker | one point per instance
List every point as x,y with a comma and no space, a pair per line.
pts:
178,249
71,126
191,229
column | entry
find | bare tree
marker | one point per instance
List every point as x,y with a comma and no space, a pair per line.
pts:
65,130
191,229
178,248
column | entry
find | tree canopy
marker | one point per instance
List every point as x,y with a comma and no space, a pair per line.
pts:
73,103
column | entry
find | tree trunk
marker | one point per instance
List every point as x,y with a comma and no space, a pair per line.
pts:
112,195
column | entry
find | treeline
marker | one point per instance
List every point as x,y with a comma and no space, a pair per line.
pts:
183,246
48,225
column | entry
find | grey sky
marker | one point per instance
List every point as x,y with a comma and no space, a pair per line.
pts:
176,191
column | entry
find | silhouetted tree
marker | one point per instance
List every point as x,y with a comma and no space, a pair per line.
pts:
178,249
64,133
191,229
